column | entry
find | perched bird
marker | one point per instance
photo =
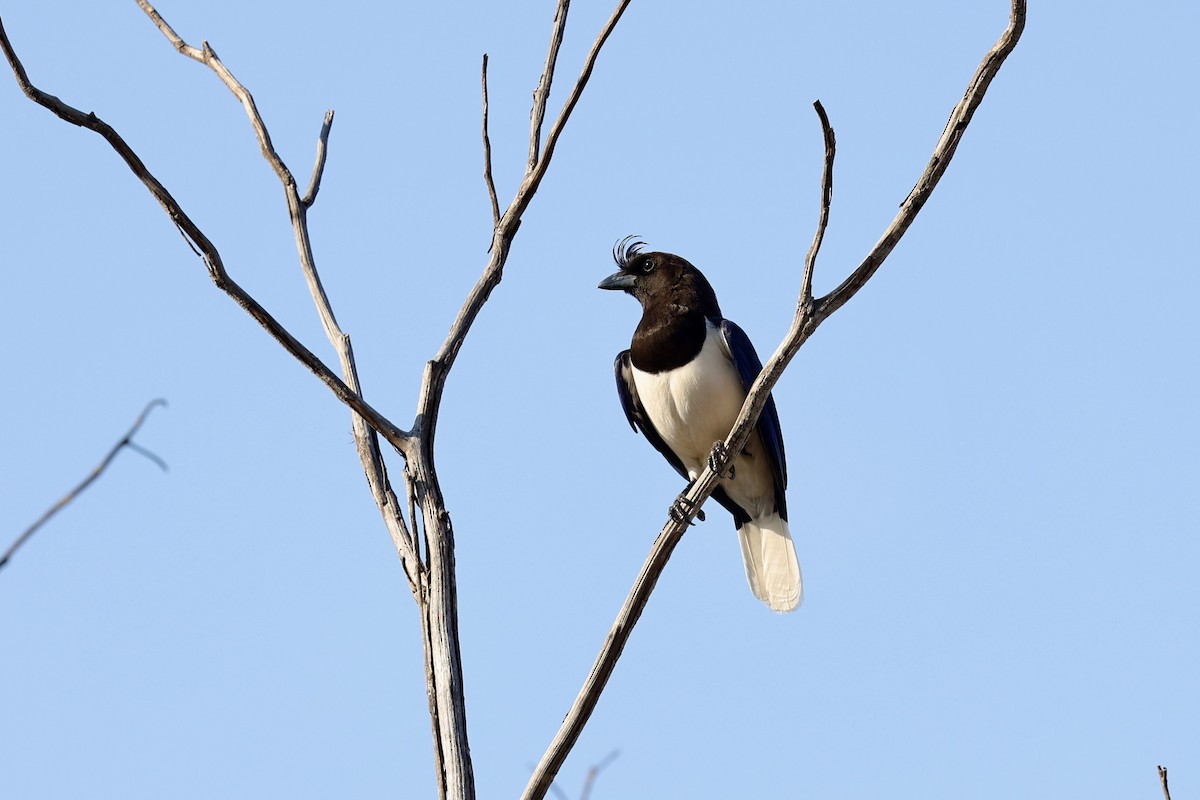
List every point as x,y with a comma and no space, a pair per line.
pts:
682,383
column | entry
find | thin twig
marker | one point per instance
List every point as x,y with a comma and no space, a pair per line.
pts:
410,492
125,441
137,448
808,317
487,151
542,93
1162,778
593,771
314,183
810,260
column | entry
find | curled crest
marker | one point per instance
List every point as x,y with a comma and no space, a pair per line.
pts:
626,250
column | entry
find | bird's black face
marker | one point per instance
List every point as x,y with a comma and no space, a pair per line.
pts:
659,279
646,276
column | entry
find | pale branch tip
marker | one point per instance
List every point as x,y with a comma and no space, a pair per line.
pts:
541,94
810,260
488,179
208,56
314,183
125,441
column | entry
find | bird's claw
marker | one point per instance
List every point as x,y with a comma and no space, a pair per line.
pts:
679,509
718,456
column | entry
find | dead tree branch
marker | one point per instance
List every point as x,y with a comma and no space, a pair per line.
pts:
1162,779
542,93
434,380
201,244
314,183
365,437
430,573
809,315
487,151
439,603
125,441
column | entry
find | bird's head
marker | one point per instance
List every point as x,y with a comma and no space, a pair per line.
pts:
660,280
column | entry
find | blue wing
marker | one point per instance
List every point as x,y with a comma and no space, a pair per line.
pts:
748,365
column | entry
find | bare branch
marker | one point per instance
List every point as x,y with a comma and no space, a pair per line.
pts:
593,771
956,126
1162,778
314,183
432,579
367,443
487,152
542,93
209,254
125,441
810,261
207,56
808,317
151,455
439,603
434,380
534,178
364,436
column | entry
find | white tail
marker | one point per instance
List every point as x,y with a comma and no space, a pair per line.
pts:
771,565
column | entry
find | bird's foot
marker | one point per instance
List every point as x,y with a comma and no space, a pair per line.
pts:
680,508
718,456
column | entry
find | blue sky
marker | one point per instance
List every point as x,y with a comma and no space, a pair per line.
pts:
995,486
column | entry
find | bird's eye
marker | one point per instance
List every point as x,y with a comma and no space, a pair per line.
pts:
648,265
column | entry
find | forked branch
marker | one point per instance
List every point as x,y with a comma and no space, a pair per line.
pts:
202,245
430,573
125,441
364,426
434,380
809,315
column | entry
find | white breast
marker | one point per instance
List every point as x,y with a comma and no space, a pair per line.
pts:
694,406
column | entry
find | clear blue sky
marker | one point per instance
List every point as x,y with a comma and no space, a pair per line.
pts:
993,449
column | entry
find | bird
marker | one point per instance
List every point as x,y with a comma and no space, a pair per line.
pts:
682,383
